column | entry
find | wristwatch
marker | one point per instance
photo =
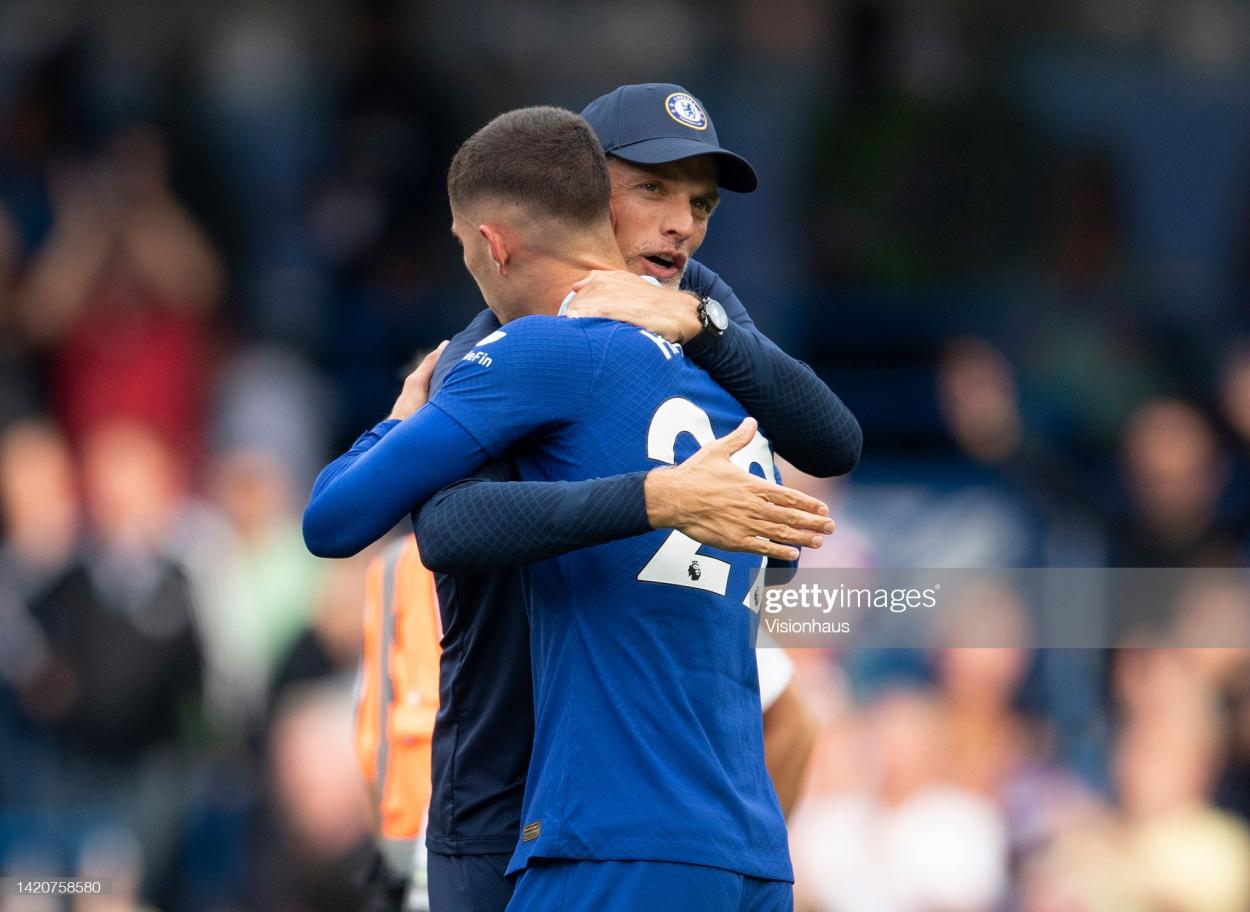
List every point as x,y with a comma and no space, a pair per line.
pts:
713,317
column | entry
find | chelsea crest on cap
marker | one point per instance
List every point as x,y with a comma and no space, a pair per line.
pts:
685,108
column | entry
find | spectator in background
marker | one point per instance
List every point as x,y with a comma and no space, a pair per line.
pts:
39,505
1188,855
121,631
146,485
976,516
122,293
1215,611
1168,848
329,648
39,499
309,836
996,749
979,674
977,399
906,840
314,837
272,401
282,579
1176,474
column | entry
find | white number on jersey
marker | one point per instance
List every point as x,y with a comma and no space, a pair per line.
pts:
678,562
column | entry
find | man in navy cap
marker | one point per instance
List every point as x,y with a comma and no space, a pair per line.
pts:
666,165
666,169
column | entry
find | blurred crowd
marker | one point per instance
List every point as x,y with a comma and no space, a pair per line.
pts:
1015,239
175,677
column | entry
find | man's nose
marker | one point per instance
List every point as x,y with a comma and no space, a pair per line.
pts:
678,221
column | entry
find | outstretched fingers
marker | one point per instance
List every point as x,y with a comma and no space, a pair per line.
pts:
768,548
795,500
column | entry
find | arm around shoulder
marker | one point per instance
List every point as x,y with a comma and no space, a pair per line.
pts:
806,421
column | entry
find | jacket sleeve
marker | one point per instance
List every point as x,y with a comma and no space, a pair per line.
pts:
803,418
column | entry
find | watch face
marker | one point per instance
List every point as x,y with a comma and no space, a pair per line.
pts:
716,315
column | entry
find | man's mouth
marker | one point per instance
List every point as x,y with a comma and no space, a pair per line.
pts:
665,266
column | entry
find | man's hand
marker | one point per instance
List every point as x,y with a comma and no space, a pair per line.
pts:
714,502
416,391
620,295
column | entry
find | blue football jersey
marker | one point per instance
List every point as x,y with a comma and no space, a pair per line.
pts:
648,739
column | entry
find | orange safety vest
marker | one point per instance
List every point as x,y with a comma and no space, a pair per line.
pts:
398,696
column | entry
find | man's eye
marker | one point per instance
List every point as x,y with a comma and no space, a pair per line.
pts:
649,186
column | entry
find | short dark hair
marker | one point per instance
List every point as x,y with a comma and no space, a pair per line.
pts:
545,158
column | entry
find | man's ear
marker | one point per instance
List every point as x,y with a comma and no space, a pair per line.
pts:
499,246
612,214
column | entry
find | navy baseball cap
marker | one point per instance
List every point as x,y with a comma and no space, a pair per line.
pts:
660,122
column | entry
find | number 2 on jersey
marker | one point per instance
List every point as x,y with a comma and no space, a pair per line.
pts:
678,561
